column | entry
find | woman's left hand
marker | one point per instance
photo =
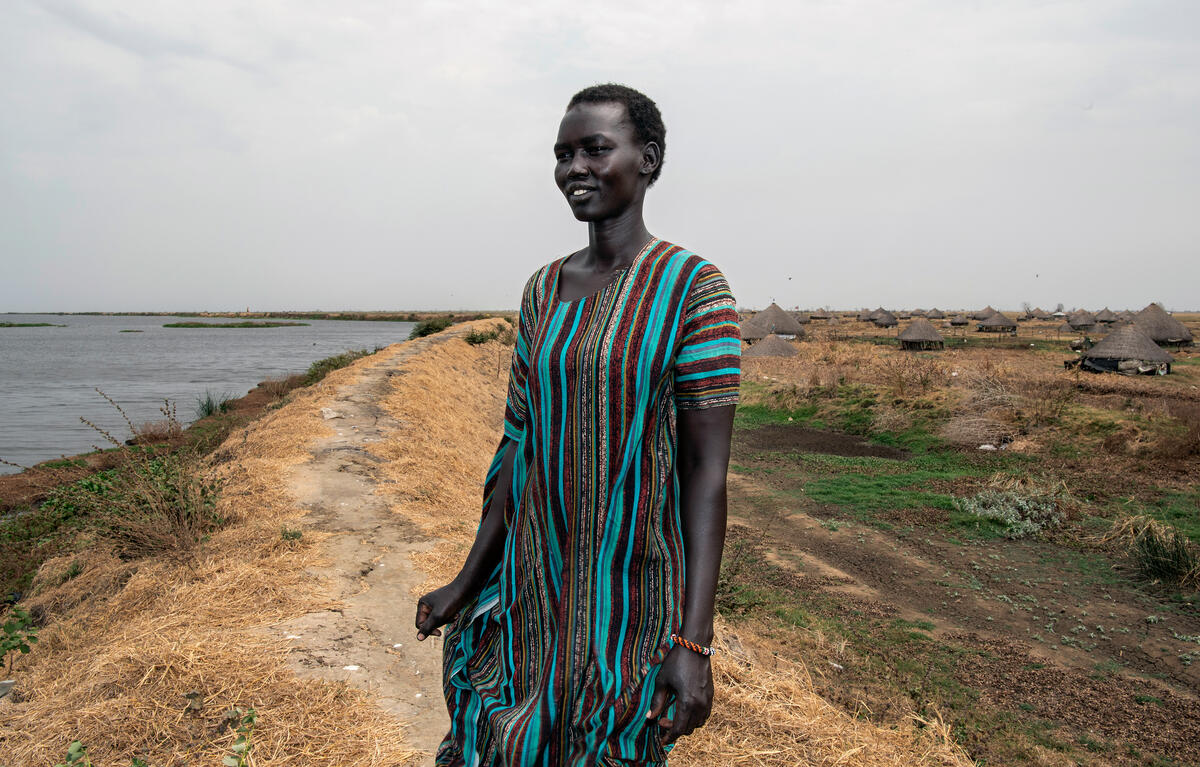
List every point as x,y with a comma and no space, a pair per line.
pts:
685,677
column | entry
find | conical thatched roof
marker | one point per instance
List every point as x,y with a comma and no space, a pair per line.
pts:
802,317
819,314
997,320
1067,328
752,331
917,312
877,313
771,346
921,329
935,314
833,321
1104,315
1125,314
983,313
1082,319
773,319
884,319
1128,343
1040,314
959,319
1162,328
864,315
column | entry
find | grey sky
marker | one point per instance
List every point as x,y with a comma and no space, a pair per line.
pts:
375,155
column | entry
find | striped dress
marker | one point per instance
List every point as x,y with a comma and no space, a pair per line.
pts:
554,662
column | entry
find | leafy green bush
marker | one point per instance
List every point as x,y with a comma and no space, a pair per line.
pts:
322,368
430,326
1018,514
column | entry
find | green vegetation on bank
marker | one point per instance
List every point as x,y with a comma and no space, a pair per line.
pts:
30,325
247,324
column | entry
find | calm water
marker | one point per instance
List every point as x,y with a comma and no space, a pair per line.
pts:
48,376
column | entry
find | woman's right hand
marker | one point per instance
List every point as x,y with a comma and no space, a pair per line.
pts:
436,609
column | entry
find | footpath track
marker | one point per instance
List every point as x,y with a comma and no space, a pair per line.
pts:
368,640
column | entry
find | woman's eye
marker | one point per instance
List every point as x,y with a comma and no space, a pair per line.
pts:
594,150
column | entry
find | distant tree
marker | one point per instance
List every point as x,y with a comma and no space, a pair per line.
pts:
1026,307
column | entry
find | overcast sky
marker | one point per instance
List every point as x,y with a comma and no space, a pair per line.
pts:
392,155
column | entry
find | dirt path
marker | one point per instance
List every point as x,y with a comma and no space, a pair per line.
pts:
368,639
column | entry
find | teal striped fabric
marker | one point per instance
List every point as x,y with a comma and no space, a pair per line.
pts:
554,662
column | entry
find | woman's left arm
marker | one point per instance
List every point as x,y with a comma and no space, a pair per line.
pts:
702,462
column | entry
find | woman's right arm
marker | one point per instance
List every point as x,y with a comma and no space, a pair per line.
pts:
438,607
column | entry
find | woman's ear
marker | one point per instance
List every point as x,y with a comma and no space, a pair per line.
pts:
651,156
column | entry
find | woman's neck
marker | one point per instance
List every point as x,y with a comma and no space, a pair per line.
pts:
614,243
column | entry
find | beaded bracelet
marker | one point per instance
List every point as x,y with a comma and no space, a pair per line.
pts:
696,648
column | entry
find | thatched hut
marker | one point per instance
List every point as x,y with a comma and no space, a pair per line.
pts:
935,314
864,315
1129,351
983,313
917,312
1040,314
884,319
959,320
1082,320
753,331
1162,328
919,335
771,346
1106,316
774,319
819,314
997,323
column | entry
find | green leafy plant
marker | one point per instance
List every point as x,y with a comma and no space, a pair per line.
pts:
241,748
18,634
322,368
1018,514
290,534
430,326
76,755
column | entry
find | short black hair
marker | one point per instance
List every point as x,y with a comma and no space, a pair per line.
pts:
643,113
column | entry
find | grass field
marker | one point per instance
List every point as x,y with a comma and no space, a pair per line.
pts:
914,572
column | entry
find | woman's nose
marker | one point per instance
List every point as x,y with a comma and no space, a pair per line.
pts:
578,165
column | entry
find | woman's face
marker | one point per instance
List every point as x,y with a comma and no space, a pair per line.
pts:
600,167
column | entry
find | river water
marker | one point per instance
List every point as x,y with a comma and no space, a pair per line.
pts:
49,376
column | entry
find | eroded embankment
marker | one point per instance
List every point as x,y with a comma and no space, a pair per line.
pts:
379,467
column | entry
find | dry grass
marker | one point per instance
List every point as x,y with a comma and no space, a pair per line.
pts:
450,400
767,714
123,642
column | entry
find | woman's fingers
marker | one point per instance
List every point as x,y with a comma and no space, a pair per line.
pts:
658,702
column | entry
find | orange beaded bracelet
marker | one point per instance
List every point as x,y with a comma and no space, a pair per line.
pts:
696,648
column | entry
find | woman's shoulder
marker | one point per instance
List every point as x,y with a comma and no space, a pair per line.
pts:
686,265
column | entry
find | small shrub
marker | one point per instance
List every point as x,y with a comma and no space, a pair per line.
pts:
277,388
152,504
211,403
16,635
479,337
430,326
241,748
288,534
1160,551
321,368
1019,514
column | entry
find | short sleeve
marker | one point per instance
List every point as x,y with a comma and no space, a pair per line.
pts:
708,363
515,408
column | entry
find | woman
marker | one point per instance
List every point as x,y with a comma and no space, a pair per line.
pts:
582,614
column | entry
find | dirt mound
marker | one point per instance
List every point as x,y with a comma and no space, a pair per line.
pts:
801,439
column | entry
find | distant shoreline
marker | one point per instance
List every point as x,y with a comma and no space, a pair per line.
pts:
381,316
